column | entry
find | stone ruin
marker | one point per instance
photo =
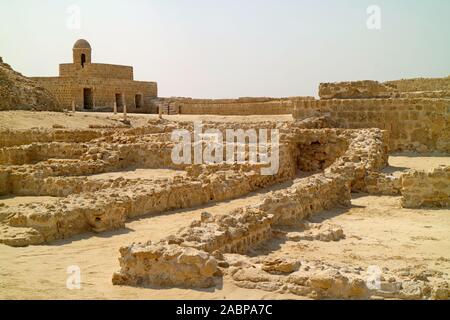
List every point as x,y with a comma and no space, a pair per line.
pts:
341,142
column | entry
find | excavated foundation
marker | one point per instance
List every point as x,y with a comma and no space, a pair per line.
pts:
55,186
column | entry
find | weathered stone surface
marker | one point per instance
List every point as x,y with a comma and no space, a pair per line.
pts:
319,280
356,90
414,124
19,92
165,265
426,189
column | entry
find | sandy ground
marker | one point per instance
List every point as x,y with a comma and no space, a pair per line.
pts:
378,233
402,161
137,173
82,120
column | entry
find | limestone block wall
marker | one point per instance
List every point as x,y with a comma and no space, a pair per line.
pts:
413,124
10,138
68,89
96,70
241,106
238,108
426,189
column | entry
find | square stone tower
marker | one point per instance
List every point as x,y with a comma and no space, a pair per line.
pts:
82,53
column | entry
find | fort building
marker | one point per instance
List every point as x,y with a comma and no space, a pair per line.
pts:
97,86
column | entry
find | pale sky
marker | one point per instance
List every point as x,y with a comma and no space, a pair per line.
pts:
234,48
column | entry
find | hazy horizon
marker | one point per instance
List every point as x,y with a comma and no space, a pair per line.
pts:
228,49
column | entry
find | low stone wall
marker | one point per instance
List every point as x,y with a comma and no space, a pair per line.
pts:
96,70
368,89
70,89
182,267
379,183
238,231
414,124
426,189
97,204
241,106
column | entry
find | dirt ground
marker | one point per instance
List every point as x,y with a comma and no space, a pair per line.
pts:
378,232
403,161
83,120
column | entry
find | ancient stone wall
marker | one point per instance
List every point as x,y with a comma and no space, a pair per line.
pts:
426,189
414,124
356,90
96,70
32,171
69,89
241,106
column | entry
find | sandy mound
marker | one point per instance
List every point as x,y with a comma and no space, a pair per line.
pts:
19,92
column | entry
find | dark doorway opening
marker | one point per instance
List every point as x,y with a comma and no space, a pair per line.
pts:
139,101
88,98
119,100
83,60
